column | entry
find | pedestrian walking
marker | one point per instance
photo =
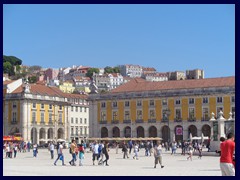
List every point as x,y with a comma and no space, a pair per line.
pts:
73,152
60,154
124,150
35,150
158,155
174,148
190,151
51,148
135,150
95,152
15,150
117,147
227,153
105,151
81,154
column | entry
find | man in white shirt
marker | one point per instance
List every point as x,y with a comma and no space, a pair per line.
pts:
60,154
95,151
158,154
52,150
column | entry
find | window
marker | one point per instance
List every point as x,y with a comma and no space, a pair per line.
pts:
50,106
85,120
60,107
139,114
81,130
60,118
76,130
14,117
204,100
42,106
152,114
191,113
233,99
72,130
178,114
219,100
85,130
42,117
151,103
76,109
126,103
178,102
50,117
205,114
114,115
191,100
164,102
72,108
85,109
103,116
72,120
34,105
139,103
76,120
80,109
127,115
14,104
114,104
80,120
33,116
103,105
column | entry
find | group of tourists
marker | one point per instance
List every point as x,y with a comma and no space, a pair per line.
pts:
12,148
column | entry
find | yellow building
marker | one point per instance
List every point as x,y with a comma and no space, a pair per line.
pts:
169,109
67,87
36,111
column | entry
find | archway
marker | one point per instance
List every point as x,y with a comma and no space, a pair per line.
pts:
206,130
116,132
50,134
127,132
178,133
104,132
42,136
193,130
60,133
165,133
140,131
152,131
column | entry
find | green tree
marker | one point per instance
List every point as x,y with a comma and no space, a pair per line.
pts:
109,69
12,59
32,79
34,68
91,71
7,67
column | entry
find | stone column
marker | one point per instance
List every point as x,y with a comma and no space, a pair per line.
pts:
46,133
37,140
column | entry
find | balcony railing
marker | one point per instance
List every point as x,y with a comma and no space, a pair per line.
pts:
13,122
165,120
103,122
115,121
50,122
60,123
191,119
152,121
127,121
34,122
178,120
205,119
42,122
139,120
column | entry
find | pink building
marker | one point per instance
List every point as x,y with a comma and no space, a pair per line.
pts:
51,74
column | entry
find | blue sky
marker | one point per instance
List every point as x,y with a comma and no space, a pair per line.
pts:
167,37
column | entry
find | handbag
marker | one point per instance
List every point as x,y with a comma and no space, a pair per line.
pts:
61,157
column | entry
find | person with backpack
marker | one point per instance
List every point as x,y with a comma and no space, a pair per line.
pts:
81,154
158,154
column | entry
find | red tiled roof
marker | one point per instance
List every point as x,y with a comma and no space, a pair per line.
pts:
49,90
7,82
139,84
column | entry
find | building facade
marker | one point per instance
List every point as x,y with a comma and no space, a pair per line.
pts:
171,110
131,70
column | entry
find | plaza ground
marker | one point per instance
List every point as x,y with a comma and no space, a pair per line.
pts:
174,165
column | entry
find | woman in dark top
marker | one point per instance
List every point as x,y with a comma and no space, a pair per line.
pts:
105,152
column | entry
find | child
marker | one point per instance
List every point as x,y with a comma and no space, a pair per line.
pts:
81,154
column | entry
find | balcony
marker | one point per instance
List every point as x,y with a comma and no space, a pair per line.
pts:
34,122
13,122
127,121
115,121
103,122
192,119
177,119
42,122
50,122
60,123
165,119
152,121
139,120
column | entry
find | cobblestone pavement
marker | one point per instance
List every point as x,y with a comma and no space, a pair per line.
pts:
174,165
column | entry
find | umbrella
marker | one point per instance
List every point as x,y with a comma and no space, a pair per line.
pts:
61,140
190,136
